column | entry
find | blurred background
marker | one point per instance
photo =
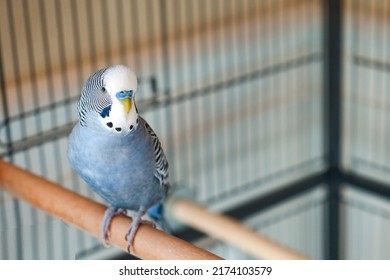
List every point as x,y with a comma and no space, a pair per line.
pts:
273,111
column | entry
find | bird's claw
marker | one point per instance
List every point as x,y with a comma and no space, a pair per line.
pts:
105,238
105,242
149,223
129,237
110,213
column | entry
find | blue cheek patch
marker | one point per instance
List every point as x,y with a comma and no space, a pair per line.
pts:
105,112
124,93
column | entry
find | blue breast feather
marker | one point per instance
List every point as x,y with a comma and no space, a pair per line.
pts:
120,169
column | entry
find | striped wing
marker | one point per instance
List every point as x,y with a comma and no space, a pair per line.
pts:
161,161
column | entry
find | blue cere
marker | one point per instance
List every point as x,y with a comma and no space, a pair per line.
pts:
124,93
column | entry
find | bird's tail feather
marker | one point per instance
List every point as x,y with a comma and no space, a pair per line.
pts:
156,212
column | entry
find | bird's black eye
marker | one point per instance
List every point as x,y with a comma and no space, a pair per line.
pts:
104,89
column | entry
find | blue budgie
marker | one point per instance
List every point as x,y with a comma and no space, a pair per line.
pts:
116,152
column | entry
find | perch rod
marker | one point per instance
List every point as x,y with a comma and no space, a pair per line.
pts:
230,231
149,243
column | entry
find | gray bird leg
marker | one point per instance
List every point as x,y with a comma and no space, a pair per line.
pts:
110,213
137,220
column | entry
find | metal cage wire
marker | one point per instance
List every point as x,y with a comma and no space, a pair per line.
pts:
236,91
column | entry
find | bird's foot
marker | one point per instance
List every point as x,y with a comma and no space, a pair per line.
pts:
110,213
137,221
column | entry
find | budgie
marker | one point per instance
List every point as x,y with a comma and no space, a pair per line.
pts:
116,152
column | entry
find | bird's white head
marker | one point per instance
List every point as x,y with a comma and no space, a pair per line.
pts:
120,83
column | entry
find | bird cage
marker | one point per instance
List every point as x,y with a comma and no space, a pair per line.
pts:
274,112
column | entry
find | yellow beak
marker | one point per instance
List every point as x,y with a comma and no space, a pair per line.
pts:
127,104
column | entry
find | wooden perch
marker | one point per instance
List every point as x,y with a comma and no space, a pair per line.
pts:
230,231
149,243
